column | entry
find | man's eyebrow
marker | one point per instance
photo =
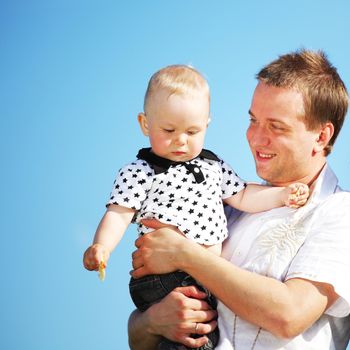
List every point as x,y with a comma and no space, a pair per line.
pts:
270,119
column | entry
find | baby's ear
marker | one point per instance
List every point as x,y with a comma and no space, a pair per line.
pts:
209,120
142,119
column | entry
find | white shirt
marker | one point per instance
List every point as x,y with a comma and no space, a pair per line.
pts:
313,243
187,195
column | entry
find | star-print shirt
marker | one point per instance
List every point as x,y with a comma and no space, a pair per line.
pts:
185,194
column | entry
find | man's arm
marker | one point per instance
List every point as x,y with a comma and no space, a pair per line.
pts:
284,309
140,335
174,317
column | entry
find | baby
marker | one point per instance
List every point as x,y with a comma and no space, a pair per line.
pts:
179,183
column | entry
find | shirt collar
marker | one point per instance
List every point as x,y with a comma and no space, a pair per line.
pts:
160,164
325,185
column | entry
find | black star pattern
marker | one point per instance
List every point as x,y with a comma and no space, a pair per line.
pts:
172,196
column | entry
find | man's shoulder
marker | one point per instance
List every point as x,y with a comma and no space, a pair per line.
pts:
334,208
338,198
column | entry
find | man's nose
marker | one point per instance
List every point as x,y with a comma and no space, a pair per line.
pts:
258,136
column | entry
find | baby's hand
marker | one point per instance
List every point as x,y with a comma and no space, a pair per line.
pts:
297,195
96,257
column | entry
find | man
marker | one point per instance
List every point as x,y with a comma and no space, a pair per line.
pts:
282,284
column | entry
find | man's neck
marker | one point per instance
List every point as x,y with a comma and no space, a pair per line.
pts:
308,179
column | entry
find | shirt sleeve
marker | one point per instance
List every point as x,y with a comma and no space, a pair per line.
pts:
324,256
131,185
231,183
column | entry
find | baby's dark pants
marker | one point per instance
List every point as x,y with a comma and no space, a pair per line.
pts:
149,290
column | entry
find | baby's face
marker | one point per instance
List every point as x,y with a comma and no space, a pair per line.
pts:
176,125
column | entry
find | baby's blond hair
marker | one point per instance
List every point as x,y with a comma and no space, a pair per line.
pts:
177,79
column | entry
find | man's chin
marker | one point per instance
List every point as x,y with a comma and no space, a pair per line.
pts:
266,175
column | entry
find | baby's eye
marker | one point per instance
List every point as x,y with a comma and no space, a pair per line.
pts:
192,132
169,130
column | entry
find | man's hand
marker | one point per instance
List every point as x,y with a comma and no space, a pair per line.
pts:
159,251
182,313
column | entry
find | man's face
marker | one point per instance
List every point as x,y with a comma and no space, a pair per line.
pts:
282,147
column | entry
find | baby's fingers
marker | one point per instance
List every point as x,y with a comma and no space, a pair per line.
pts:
90,261
298,195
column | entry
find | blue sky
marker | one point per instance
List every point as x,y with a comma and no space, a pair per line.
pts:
73,76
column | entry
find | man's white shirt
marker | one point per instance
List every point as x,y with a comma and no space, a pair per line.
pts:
313,243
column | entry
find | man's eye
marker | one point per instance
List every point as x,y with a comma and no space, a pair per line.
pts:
277,127
252,120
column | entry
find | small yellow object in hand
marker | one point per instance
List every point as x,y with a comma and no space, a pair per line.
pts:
102,270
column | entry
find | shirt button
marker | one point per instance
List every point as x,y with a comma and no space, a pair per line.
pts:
196,170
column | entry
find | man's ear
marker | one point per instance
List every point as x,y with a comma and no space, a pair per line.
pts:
142,119
324,136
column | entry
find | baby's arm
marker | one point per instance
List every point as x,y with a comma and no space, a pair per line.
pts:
108,234
255,198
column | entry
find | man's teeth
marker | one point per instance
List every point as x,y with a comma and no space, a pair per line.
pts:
263,155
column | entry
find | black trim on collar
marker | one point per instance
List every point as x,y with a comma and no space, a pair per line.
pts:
160,164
